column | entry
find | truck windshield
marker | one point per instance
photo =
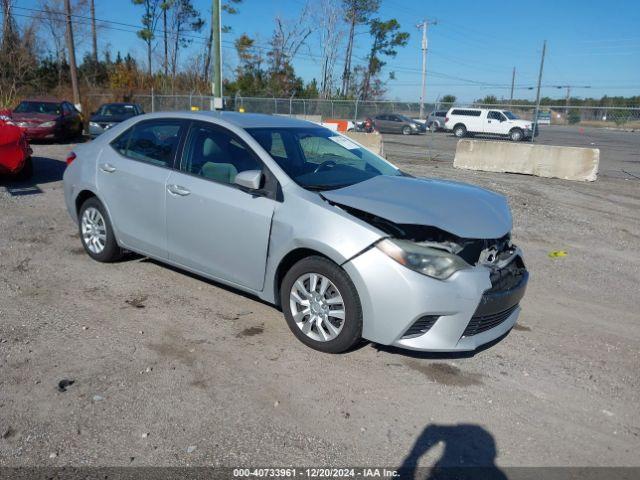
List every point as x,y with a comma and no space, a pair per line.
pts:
511,115
320,159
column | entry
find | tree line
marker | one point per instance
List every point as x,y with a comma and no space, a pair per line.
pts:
34,53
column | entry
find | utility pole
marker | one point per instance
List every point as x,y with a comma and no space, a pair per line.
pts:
216,53
535,118
94,33
513,82
72,54
425,23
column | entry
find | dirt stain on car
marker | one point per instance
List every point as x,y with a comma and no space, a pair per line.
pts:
445,374
251,331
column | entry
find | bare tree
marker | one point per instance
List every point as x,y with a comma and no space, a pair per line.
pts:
357,12
150,17
329,18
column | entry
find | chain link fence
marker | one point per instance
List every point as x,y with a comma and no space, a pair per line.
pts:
319,109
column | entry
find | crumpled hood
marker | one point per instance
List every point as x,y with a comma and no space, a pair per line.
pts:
458,208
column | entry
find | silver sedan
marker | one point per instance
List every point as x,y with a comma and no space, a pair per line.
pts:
349,246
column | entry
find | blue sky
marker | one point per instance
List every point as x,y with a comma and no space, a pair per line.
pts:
472,49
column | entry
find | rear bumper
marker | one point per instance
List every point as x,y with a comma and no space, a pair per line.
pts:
467,311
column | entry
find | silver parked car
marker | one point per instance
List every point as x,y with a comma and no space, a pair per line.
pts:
344,242
435,120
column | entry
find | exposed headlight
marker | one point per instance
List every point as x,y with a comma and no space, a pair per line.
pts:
52,123
94,124
426,260
414,126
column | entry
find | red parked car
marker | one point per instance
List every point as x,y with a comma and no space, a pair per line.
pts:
48,119
15,153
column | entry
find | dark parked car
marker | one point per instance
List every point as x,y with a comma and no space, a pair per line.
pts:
396,123
48,119
110,114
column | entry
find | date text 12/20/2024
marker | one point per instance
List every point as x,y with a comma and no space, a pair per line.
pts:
315,472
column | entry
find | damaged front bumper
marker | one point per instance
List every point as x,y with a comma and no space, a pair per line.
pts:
409,310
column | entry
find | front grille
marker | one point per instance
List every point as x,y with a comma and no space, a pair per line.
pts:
479,324
421,326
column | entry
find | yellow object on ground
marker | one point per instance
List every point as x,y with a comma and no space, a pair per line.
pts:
557,254
195,109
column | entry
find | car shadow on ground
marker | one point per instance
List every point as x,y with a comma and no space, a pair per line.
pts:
469,451
45,170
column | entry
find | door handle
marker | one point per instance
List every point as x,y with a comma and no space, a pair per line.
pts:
107,167
178,190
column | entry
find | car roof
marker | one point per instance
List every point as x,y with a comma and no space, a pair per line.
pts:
242,120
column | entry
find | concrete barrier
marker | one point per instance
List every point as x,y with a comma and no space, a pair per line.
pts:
568,163
371,141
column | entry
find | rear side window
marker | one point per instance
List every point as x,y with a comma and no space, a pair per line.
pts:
466,113
153,142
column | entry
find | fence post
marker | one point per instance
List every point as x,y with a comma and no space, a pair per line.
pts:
153,101
331,108
355,115
304,108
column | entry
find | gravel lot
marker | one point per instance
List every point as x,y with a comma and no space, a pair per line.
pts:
171,369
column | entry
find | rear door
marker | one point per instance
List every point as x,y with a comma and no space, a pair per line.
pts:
214,226
131,176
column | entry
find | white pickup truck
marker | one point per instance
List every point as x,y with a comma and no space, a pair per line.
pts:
464,121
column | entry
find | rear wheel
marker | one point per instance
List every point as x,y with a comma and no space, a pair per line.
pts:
460,131
96,232
516,135
433,126
321,305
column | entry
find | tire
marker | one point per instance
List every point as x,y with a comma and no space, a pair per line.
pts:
516,135
433,127
350,327
460,131
110,251
27,170
406,130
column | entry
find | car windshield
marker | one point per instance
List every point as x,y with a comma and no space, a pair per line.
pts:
47,108
511,115
320,159
115,110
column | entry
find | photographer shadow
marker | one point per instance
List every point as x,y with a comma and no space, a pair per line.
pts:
469,452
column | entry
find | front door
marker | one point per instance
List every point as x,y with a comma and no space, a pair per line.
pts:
132,174
213,226
496,123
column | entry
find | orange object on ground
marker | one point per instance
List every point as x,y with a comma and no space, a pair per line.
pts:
342,124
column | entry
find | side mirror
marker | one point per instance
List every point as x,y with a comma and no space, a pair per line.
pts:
251,179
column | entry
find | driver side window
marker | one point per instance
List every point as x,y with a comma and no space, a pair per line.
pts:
216,154
495,116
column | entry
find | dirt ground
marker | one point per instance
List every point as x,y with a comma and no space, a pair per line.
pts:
171,369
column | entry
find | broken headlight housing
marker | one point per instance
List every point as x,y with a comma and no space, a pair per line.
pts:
426,260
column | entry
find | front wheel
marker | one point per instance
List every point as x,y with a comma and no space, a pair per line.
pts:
516,135
96,232
321,305
406,130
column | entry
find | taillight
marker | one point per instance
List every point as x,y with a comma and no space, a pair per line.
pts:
446,119
71,157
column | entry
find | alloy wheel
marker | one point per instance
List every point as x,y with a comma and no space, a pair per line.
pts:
317,307
94,230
